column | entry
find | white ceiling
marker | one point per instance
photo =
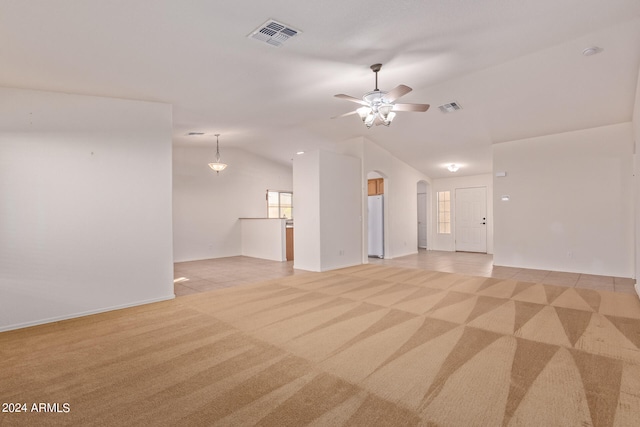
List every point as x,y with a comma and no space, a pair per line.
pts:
515,67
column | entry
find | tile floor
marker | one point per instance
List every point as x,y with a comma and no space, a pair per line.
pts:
201,276
482,265
206,275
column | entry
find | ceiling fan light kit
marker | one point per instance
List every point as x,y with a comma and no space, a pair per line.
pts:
379,107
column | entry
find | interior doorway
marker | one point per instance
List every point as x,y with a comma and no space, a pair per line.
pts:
422,227
375,215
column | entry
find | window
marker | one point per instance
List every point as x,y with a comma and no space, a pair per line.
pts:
279,204
444,212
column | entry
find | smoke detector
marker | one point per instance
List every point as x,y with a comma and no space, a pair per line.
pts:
273,33
450,107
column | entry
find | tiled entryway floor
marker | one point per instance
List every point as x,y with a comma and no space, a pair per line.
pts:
209,274
475,264
200,276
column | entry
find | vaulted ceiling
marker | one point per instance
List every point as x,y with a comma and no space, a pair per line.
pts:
515,67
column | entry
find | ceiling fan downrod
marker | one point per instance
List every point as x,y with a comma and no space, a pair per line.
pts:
375,68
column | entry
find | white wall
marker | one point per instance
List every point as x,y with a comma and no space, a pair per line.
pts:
446,242
207,206
264,238
306,202
571,202
85,205
636,158
327,197
340,217
400,195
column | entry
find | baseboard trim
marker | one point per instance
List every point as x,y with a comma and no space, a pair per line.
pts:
15,326
401,254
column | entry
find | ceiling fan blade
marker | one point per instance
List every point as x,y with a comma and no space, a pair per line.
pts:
397,92
411,107
351,98
344,115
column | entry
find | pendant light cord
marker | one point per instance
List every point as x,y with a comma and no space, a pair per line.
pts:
217,148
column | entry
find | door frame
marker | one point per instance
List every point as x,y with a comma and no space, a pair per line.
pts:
371,174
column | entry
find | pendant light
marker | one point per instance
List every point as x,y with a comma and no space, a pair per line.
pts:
217,166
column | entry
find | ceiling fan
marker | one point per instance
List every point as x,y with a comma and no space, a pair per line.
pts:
379,107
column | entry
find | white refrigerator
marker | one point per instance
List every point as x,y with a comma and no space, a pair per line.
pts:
376,226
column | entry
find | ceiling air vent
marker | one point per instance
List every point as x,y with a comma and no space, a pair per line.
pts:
273,33
450,107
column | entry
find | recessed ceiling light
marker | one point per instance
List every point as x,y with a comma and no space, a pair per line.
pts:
592,50
453,167
300,152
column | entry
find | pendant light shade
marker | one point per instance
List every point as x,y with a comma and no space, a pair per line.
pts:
217,166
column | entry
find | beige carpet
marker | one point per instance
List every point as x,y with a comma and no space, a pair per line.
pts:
365,346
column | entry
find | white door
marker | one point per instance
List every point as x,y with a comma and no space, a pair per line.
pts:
422,220
471,219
